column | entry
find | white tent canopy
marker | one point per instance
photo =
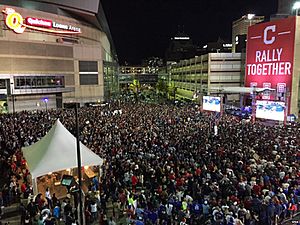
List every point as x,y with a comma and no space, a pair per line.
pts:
57,151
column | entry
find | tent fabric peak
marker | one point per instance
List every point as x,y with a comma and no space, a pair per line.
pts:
57,151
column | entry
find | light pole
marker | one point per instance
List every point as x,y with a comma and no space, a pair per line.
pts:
46,103
250,17
12,96
296,7
253,103
79,166
286,101
195,71
174,92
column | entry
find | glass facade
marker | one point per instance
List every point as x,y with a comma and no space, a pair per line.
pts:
2,84
111,82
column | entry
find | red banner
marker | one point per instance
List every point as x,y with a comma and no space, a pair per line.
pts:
270,55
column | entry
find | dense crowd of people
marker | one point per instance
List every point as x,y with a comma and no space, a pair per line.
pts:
165,164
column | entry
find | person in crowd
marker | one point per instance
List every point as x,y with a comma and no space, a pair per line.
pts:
48,197
70,219
248,173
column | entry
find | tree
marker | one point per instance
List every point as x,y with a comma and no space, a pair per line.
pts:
162,87
135,87
172,89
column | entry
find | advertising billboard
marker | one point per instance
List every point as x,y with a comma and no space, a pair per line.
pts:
270,55
270,110
211,103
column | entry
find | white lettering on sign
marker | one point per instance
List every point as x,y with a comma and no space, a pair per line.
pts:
268,41
264,69
268,55
65,27
60,26
38,22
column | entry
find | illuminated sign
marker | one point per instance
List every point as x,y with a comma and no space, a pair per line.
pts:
270,54
15,22
66,27
270,110
211,103
227,45
38,22
181,38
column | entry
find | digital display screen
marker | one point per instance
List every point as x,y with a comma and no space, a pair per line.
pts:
67,180
211,103
270,110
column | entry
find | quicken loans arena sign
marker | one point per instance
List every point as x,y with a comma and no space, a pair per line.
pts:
270,55
15,22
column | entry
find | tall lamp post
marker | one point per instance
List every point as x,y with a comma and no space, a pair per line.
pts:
250,17
253,103
296,7
46,103
79,165
12,96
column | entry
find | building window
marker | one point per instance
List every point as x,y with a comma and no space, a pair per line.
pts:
88,72
33,82
2,84
88,79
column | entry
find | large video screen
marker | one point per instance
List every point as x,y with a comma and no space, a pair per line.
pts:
211,103
270,110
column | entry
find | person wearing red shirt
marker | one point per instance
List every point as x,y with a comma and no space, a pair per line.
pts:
172,176
23,188
198,172
134,182
257,189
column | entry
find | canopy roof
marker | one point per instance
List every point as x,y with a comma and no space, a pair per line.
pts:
57,151
240,89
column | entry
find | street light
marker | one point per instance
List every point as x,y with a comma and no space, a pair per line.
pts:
79,165
296,7
46,103
253,105
250,17
12,96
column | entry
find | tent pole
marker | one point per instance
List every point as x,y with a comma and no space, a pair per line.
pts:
34,186
79,166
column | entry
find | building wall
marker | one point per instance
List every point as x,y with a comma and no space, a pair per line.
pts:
285,7
240,27
207,74
295,94
35,53
224,71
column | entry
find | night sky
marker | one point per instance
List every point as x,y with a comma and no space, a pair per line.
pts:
143,28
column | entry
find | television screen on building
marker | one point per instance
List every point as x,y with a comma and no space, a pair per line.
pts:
211,103
270,56
270,110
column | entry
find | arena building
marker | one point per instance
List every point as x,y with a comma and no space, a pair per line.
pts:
54,53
